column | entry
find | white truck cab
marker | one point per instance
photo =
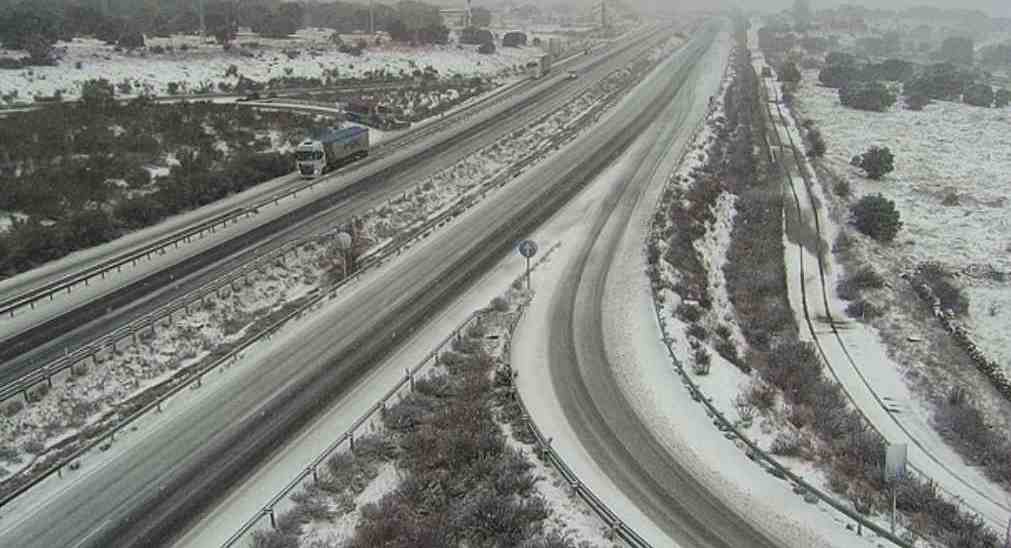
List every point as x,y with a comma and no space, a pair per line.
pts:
311,158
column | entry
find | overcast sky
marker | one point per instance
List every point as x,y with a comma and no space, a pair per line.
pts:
995,8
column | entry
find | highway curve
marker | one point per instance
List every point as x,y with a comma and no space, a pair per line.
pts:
148,494
377,182
584,379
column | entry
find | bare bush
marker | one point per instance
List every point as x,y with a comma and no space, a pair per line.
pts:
762,395
313,505
12,407
702,361
939,280
688,313
787,444
499,304
852,287
697,331
33,446
274,539
863,309
37,392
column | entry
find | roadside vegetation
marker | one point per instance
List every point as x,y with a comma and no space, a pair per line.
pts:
97,396
931,293
460,475
80,175
789,387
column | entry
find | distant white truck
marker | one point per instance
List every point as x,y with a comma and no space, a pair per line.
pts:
543,66
331,148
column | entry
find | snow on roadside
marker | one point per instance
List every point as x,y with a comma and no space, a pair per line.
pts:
780,512
97,389
950,186
908,416
202,64
101,388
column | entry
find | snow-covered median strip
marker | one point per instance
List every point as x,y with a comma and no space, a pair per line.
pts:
364,491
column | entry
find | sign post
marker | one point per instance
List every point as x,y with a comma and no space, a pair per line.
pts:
528,249
343,240
895,470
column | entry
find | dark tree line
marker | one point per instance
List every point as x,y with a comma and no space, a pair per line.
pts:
36,26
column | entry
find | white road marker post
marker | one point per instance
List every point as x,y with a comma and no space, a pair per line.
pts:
895,471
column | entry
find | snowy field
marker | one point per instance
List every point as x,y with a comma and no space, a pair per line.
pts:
952,166
256,58
884,369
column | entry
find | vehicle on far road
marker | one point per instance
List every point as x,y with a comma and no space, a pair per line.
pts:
572,75
331,148
543,67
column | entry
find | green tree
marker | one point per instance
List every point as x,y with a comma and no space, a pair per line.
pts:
480,17
138,212
872,96
957,49
29,22
788,72
1002,98
877,162
917,101
978,95
876,217
816,143
98,95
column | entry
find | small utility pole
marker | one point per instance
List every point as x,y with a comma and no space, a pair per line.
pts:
200,13
372,18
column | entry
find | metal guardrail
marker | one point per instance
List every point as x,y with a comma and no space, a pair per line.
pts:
373,259
452,210
29,298
150,320
67,283
379,258
754,452
312,469
616,527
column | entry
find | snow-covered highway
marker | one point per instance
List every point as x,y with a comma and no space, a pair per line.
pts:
145,493
395,166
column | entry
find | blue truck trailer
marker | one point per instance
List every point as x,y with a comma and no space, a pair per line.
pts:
330,148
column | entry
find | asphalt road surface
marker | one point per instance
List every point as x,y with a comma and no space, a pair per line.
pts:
147,495
77,327
602,417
